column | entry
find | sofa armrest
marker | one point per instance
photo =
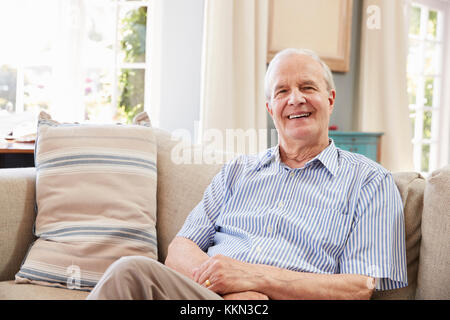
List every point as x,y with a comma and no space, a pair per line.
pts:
433,281
17,215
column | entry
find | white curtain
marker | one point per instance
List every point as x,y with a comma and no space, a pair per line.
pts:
382,95
233,68
67,98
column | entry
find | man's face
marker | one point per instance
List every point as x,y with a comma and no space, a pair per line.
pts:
300,103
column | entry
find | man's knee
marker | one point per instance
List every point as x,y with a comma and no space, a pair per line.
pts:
125,278
132,264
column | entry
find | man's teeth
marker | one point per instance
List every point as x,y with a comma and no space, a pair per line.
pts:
302,115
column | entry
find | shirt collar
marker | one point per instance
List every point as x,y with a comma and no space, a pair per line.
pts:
328,157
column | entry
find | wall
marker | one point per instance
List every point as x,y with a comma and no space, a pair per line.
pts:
179,64
345,83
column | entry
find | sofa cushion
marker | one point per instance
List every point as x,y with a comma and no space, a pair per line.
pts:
9,290
181,185
434,268
411,186
96,201
17,199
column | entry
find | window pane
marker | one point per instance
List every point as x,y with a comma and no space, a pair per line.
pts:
432,58
412,117
414,57
428,94
39,30
424,79
109,32
432,24
414,24
427,125
26,30
8,81
132,33
131,94
412,89
100,34
97,94
37,82
425,157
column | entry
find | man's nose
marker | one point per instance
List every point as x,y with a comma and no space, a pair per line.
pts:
296,97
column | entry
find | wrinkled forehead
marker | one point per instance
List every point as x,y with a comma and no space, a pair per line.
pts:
296,67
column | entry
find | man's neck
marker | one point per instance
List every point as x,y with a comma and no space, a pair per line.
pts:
296,155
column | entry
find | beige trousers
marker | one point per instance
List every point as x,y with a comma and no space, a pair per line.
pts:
142,278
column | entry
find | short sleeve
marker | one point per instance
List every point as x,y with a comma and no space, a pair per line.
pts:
200,223
376,244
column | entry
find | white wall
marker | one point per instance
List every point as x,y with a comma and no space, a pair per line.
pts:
177,90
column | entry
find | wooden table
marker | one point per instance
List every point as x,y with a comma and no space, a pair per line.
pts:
16,154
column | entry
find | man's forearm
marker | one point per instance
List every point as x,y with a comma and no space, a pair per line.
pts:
285,284
228,275
184,256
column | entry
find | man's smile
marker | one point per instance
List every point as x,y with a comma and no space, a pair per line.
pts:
299,115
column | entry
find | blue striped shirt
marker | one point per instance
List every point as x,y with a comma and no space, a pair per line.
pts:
340,213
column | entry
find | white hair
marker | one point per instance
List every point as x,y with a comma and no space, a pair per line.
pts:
328,76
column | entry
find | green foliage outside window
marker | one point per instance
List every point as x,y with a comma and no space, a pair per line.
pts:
131,81
414,24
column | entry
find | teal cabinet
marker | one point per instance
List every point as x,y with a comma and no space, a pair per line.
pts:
365,143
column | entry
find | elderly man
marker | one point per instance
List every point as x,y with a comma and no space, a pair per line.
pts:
304,220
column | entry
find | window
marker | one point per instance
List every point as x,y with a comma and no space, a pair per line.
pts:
82,60
428,43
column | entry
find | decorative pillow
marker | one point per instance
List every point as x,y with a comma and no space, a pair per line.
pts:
95,201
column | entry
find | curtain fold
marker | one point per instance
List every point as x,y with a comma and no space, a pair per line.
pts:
233,69
382,94
67,94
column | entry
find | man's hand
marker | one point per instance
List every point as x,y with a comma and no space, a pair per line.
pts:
234,279
226,275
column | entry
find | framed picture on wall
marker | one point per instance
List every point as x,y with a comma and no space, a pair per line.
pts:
320,25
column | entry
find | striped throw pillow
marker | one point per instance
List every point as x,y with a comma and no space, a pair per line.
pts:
95,201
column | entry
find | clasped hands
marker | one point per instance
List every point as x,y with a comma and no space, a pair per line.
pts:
233,279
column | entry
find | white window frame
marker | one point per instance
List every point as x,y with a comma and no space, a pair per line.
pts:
154,58
443,157
117,66
439,146
138,66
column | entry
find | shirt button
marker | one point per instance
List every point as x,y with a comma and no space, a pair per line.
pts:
280,204
269,229
292,174
258,249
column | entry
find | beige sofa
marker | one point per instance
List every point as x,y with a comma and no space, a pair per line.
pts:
181,186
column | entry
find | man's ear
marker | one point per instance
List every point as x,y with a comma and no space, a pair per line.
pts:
269,109
331,99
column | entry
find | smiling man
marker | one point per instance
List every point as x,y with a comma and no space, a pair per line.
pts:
304,220
300,98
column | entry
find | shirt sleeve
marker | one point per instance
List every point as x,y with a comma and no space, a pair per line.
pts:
200,223
376,244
